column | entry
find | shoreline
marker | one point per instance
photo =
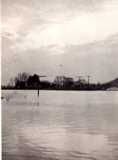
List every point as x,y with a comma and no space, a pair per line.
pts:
58,89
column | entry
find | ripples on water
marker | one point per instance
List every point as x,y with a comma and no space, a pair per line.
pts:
60,125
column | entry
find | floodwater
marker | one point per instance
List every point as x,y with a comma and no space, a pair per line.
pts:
59,125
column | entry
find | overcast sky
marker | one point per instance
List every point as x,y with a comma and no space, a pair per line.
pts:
53,37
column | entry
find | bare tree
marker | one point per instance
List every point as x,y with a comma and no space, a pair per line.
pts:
21,77
11,82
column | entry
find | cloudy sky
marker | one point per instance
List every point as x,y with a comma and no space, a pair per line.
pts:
60,37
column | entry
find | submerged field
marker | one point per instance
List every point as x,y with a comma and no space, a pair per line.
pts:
59,125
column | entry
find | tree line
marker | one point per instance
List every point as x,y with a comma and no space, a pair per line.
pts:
27,81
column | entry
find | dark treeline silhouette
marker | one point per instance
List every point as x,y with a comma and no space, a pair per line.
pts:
26,81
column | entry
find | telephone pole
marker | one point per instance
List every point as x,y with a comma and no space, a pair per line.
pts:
88,80
39,86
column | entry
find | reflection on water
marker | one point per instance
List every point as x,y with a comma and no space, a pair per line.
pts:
60,125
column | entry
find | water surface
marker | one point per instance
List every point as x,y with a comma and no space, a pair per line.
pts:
60,125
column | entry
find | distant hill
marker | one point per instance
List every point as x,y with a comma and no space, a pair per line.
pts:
112,89
112,85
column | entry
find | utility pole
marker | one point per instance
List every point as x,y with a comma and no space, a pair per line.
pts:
88,80
39,87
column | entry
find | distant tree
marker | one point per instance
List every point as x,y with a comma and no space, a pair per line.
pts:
63,82
22,76
21,80
33,81
45,84
68,82
59,81
11,82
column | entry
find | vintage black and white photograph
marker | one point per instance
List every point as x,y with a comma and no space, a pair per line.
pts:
59,79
